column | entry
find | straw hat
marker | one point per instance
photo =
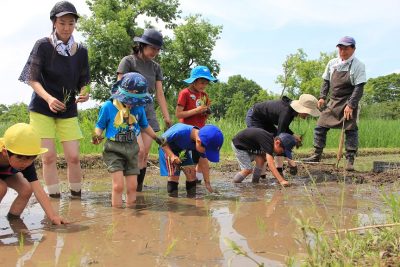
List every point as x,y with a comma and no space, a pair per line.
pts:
306,104
22,139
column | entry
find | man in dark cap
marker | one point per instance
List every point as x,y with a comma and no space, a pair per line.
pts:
344,77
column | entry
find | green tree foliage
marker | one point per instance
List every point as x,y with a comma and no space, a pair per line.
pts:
235,97
13,114
382,89
109,32
192,45
301,75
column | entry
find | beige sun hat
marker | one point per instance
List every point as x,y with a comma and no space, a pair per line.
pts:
306,104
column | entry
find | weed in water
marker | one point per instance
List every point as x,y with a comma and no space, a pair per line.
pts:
21,244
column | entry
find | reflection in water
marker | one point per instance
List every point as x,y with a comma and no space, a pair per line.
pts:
162,231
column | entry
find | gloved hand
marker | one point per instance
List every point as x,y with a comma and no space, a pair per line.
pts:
299,140
161,141
293,170
96,139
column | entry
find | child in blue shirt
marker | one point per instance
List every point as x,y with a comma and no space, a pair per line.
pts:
175,154
123,117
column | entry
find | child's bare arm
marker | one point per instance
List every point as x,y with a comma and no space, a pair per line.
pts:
274,170
205,167
44,201
159,140
168,152
181,114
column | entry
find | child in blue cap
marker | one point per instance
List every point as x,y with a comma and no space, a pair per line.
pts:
193,106
256,144
175,154
123,117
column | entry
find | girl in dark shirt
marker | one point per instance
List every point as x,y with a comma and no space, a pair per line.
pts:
58,71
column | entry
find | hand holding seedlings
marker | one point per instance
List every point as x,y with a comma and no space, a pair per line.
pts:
84,95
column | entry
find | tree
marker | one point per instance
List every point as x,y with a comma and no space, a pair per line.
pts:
237,94
109,32
192,44
382,89
301,75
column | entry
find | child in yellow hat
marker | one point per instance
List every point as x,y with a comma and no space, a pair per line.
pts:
18,149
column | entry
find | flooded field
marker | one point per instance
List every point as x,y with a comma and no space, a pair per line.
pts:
160,231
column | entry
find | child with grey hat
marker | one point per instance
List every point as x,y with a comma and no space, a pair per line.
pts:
123,117
255,144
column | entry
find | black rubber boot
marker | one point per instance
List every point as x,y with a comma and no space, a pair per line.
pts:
191,189
256,175
350,163
140,180
316,157
75,194
172,188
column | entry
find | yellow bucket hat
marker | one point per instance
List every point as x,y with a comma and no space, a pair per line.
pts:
22,139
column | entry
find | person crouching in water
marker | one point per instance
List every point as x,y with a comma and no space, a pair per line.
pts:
257,144
19,147
123,117
175,155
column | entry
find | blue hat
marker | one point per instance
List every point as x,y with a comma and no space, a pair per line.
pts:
200,72
346,41
131,90
288,142
212,139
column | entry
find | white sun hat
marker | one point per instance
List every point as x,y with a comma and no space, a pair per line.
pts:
306,104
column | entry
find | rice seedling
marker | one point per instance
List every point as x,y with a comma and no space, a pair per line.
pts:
21,244
235,248
261,225
170,247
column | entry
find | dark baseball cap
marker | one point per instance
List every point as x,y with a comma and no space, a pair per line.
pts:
288,142
63,8
346,41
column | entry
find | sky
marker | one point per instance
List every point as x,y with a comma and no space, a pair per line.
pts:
256,38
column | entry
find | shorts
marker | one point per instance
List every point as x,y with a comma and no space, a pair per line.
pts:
49,127
121,156
167,168
152,117
244,158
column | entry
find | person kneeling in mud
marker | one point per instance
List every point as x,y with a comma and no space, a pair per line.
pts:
19,147
259,145
175,155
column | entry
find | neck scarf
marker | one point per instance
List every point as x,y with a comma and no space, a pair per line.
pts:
122,114
61,48
340,64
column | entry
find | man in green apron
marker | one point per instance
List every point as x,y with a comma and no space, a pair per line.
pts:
344,77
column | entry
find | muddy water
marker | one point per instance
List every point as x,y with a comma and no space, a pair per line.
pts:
162,231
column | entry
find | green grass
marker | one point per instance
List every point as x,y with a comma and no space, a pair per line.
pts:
373,133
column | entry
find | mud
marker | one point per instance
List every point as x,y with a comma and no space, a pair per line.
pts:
160,231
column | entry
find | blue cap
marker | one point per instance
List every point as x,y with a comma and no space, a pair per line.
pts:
346,41
131,90
200,72
212,139
288,142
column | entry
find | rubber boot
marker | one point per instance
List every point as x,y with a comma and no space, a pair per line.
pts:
350,163
316,157
256,175
191,188
172,188
280,170
140,180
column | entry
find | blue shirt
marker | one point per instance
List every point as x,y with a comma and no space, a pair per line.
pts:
106,117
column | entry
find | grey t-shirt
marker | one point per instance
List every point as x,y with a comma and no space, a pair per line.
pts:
150,69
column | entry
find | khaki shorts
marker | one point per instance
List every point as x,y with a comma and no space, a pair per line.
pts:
121,156
49,127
